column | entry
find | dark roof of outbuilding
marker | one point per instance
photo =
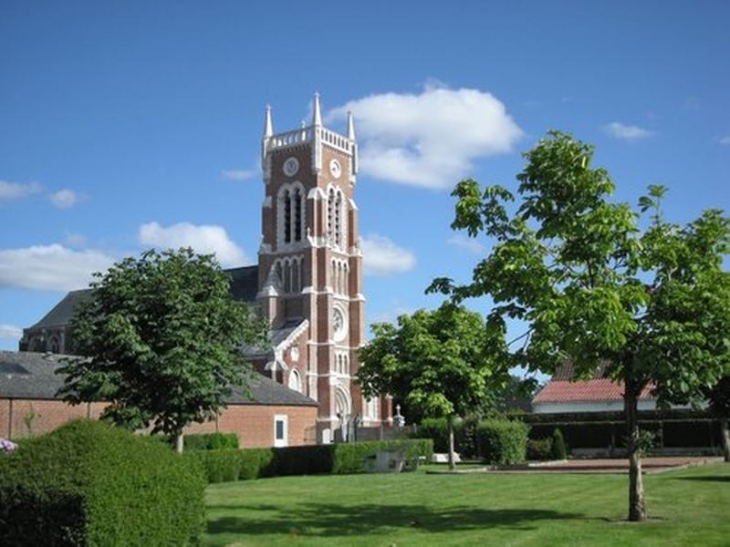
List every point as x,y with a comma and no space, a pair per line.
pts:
29,375
244,287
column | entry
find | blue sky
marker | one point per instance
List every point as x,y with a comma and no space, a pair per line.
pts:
126,125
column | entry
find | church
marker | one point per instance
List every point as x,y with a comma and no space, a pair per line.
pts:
307,283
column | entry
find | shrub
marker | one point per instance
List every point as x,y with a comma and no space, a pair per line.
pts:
540,449
503,442
89,483
300,460
560,451
222,465
210,441
253,461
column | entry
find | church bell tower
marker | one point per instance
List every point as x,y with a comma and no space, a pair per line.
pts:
310,267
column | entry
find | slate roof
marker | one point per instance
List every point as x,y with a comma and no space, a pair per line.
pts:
29,375
61,314
276,337
244,287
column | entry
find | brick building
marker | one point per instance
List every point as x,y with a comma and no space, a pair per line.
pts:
308,280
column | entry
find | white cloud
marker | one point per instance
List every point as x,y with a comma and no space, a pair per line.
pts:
381,256
470,244
239,174
50,267
10,332
627,132
431,139
64,199
204,239
17,190
725,140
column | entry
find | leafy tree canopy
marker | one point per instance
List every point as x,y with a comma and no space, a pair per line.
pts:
651,304
438,362
160,340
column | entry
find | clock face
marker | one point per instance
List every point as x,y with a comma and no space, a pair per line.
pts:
291,166
335,168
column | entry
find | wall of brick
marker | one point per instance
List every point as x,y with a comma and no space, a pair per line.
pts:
20,417
254,424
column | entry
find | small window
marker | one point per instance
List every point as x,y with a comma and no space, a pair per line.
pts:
281,433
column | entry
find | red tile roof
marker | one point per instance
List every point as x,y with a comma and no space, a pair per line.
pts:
602,389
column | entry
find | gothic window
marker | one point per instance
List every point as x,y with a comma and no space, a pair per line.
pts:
287,217
330,214
291,213
335,217
298,220
339,273
289,272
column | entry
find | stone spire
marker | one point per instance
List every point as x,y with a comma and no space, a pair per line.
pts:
268,126
268,133
350,127
316,114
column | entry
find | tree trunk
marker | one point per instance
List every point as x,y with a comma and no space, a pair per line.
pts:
725,433
452,463
637,507
179,443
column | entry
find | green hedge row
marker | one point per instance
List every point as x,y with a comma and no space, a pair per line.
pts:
232,464
502,442
225,465
210,441
644,415
703,433
89,483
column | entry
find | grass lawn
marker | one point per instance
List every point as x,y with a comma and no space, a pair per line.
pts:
686,507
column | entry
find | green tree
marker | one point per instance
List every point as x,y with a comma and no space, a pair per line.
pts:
719,398
441,363
160,341
590,285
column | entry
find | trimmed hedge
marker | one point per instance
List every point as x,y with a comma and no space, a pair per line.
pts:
210,441
503,442
89,483
229,465
703,433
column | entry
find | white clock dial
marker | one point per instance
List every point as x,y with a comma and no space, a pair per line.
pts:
335,169
291,166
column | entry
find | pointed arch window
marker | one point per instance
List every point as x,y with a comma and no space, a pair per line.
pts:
335,217
298,221
287,217
291,213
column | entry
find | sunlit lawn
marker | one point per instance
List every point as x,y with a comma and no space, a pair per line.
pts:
686,507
